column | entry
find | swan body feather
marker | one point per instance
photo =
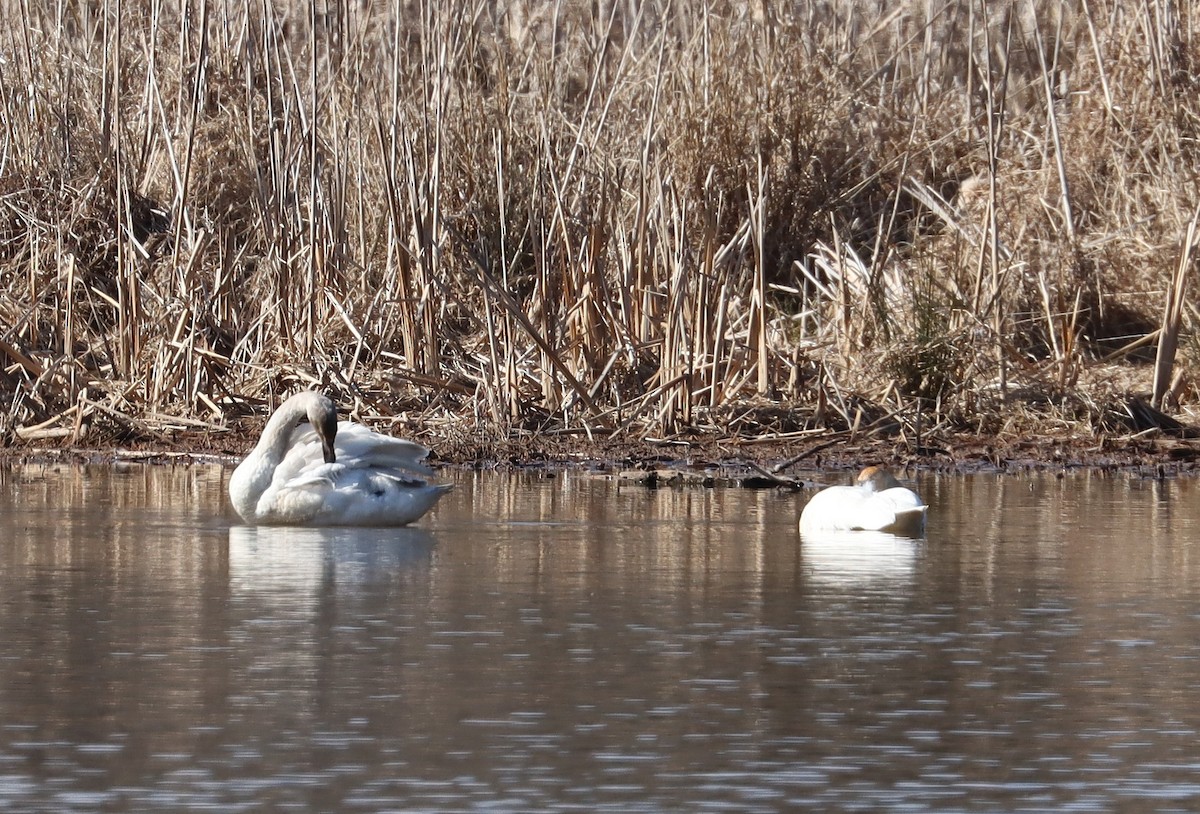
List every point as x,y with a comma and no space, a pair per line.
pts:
308,469
877,502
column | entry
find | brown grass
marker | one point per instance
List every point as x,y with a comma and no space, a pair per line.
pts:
620,219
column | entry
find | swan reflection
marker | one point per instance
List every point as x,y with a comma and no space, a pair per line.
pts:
302,560
858,557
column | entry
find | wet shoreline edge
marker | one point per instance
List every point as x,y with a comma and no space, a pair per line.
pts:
754,462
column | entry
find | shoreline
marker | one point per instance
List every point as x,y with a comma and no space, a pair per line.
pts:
746,462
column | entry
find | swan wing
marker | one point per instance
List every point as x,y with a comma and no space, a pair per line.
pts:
832,509
903,500
853,508
296,500
361,495
356,444
898,510
342,495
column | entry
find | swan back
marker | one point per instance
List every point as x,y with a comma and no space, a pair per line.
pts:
354,441
877,502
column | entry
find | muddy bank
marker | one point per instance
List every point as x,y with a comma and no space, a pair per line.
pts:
753,462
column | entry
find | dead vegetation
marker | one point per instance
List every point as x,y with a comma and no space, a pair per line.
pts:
619,220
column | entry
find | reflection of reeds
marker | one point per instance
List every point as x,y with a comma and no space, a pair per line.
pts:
617,218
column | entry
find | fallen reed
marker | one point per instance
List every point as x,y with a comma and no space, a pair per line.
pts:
616,219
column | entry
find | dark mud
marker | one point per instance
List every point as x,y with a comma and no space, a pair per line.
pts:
748,462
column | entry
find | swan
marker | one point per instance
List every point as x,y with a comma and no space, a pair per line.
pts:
877,502
309,469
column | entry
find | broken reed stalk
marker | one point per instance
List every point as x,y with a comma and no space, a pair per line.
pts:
1172,319
757,341
994,113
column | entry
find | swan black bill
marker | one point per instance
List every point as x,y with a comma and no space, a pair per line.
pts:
327,432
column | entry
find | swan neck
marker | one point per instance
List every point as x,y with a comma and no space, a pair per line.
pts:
273,444
254,475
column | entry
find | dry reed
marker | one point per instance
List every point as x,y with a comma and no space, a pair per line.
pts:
620,219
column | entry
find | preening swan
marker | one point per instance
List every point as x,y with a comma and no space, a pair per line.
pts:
877,502
309,469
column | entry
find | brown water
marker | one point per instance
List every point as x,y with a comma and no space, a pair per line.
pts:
569,644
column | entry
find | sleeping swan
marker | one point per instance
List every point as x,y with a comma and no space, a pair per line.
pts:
309,469
877,502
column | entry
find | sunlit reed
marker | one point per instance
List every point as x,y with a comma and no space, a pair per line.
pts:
630,219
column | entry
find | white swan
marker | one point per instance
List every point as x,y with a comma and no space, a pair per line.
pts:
877,502
309,469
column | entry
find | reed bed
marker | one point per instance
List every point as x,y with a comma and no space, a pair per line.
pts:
484,220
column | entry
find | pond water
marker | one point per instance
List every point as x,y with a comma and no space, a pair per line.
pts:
570,643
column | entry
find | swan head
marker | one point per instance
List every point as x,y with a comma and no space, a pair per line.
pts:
877,478
322,414
307,405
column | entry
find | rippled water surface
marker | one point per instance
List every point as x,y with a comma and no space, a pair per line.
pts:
569,643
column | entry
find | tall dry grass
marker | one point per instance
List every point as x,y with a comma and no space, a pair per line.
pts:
616,218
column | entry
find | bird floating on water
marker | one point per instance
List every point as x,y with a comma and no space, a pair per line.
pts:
876,502
309,469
